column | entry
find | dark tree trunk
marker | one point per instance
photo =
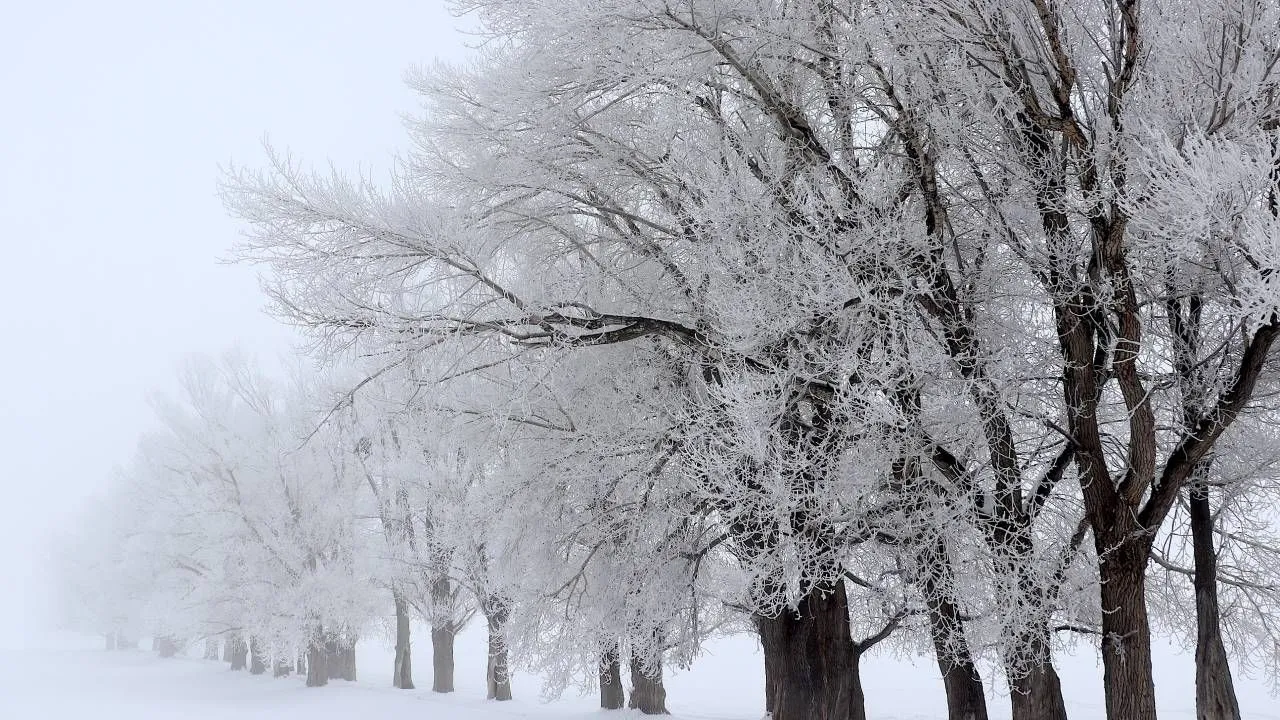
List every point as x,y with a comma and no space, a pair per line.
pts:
402,673
282,667
239,653
441,660
257,656
966,699
341,658
317,662
1035,691
211,648
165,646
497,672
1215,690
1126,631
612,696
647,693
808,659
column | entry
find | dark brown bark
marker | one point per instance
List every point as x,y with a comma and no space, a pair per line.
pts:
239,652
1035,691
402,673
317,662
966,699
1215,689
809,659
441,660
257,656
647,692
612,696
1126,632
497,670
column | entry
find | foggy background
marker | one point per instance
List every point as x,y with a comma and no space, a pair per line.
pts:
114,121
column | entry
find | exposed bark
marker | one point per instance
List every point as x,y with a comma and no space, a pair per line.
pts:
809,659
441,660
1126,632
1035,690
647,692
612,695
402,673
497,671
165,646
340,658
317,661
965,697
257,656
239,652
1215,689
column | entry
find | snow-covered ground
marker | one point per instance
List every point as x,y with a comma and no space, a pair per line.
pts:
65,677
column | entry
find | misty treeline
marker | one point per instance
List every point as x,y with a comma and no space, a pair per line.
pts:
944,324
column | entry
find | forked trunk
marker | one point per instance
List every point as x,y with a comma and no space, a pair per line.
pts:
497,672
257,656
1126,631
647,692
317,662
809,659
402,674
612,696
1215,690
441,660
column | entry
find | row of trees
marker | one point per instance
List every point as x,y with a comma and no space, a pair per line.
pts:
948,320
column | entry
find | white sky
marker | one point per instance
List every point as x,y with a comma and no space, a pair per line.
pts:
114,120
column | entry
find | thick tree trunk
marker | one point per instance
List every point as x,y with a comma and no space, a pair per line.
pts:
317,662
239,653
612,696
165,646
211,648
497,672
1215,689
341,658
257,656
647,693
1035,692
1126,631
441,660
402,674
282,668
965,697
809,659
